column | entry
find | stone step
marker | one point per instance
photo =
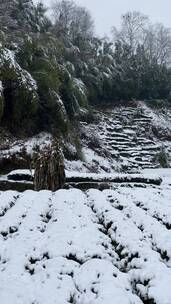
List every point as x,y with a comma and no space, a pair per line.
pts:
114,128
128,131
121,147
125,154
117,134
132,127
141,159
145,141
144,120
118,139
153,148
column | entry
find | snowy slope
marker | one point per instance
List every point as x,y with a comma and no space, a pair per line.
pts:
128,138
88,247
123,139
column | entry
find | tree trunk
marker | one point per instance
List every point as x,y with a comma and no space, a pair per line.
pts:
49,169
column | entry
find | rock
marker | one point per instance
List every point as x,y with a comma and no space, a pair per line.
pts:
21,175
21,186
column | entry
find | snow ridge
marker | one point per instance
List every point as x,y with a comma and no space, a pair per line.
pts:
86,247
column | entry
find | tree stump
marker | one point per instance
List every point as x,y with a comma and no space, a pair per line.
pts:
49,168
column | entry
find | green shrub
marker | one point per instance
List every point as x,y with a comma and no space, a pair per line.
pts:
162,158
19,91
79,92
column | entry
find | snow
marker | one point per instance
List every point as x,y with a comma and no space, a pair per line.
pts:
25,78
159,119
92,162
80,85
94,247
113,177
91,247
1,88
40,140
146,175
164,173
116,142
122,140
22,172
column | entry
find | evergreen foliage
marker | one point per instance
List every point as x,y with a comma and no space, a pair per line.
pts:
19,91
51,73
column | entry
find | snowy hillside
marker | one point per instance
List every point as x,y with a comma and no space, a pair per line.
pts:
126,138
91,247
86,247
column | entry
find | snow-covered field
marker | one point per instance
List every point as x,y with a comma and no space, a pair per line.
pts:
88,247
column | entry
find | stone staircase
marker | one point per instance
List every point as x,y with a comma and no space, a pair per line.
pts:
127,133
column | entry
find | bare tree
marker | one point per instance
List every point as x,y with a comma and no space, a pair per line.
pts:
71,20
158,43
6,19
82,23
136,30
63,16
133,29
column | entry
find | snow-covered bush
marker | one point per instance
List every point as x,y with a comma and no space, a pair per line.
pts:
79,91
19,90
161,158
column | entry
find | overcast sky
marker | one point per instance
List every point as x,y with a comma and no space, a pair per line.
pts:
106,13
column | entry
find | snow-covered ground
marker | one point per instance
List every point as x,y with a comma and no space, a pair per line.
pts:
122,139
88,247
92,247
125,139
30,145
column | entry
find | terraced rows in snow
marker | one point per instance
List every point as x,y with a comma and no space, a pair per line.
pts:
134,135
88,247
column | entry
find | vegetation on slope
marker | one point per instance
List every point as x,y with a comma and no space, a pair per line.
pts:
51,72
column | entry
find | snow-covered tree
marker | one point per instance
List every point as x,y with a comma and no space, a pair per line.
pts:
22,16
72,22
7,18
19,96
